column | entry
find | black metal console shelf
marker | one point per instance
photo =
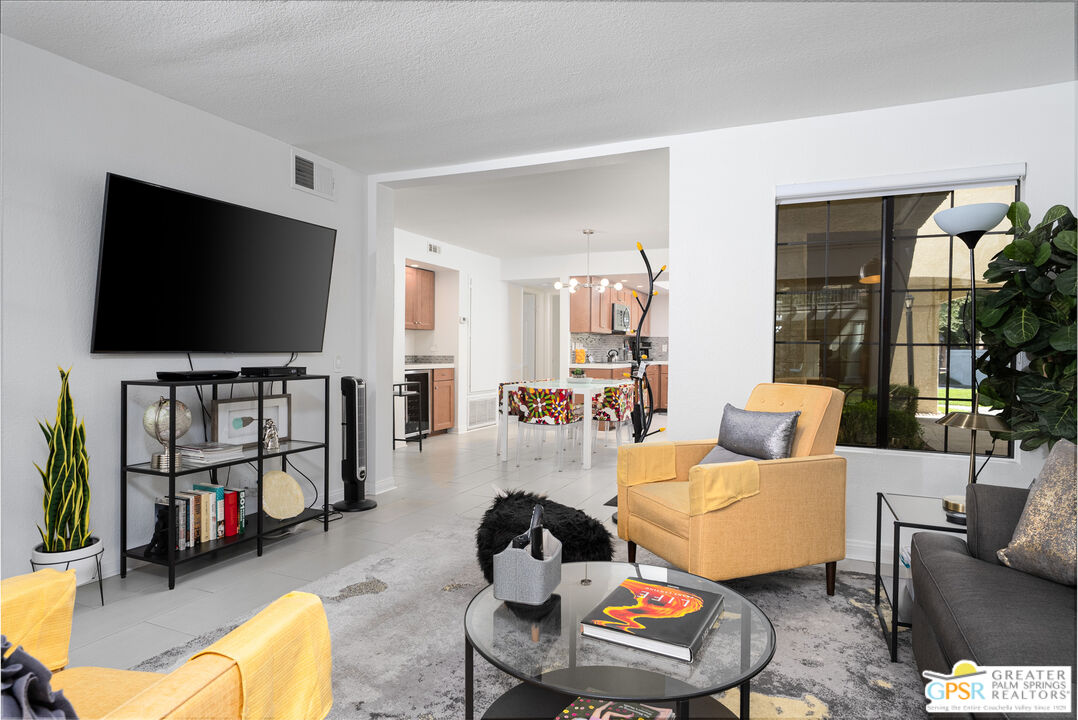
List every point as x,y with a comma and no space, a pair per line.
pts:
258,523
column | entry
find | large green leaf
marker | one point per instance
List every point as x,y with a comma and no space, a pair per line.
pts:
990,316
1021,327
1036,390
1067,241
1061,421
1001,297
1065,338
1018,214
1040,257
1021,250
1066,281
1056,212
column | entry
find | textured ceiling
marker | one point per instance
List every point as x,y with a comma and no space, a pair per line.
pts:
382,86
542,210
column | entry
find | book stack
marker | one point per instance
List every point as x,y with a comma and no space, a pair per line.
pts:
206,513
208,453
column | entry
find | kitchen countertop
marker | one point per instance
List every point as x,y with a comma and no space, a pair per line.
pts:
602,365
429,366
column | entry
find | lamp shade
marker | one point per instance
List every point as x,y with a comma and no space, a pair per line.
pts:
979,218
869,273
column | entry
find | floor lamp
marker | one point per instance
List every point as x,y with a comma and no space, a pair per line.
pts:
970,223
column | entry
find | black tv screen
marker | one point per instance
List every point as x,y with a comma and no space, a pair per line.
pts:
184,273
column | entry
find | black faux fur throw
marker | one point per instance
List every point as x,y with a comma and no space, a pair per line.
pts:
582,536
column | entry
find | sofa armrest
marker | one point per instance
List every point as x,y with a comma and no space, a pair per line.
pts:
992,513
37,609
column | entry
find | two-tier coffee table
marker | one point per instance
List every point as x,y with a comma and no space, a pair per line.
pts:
557,664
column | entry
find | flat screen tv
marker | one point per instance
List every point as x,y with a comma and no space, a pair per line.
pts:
184,273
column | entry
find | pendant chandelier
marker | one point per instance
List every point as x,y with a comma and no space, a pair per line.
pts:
597,284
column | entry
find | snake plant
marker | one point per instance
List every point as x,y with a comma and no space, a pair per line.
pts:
66,477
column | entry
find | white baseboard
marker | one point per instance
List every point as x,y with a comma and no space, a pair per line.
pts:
381,485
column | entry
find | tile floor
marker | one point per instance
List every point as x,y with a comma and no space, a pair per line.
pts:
451,481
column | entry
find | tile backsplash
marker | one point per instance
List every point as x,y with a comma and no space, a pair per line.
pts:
416,359
598,344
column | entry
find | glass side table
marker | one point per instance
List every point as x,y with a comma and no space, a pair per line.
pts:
908,511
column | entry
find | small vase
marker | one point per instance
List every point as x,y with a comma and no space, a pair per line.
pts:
82,560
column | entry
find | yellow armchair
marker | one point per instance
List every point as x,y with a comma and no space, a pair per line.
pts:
796,516
220,682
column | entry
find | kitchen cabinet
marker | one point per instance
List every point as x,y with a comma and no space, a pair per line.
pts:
654,380
601,312
418,299
579,310
663,385
599,373
441,399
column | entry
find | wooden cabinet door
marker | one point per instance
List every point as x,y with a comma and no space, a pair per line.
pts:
579,310
634,311
424,302
645,330
655,381
600,311
409,297
442,401
599,373
663,386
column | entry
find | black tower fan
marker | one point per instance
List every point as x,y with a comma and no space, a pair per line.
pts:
354,446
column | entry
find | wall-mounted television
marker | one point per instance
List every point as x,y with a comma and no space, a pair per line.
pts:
179,272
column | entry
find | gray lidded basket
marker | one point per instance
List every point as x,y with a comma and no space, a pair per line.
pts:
520,578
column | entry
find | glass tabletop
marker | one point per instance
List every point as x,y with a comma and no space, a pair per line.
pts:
920,510
551,652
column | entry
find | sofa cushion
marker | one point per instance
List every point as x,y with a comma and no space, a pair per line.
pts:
763,435
719,454
665,504
95,692
1044,540
988,613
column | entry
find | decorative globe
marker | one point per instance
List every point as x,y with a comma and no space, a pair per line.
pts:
155,420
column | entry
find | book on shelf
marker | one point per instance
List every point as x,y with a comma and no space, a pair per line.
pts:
194,518
219,513
231,510
209,507
592,709
663,618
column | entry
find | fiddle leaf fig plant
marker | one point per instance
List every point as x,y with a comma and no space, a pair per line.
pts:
1028,329
66,478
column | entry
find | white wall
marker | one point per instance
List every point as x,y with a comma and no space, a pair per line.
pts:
722,212
488,342
65,126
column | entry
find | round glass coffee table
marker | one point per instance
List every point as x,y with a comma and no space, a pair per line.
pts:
556,663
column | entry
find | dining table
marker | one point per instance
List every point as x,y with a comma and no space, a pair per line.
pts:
588,387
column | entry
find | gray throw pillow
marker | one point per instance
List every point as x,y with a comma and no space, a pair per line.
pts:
762,435
1044,539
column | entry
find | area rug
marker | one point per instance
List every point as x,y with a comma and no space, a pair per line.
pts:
396,620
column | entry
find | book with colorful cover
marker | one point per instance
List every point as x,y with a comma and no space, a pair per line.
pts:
241,517
659,617
219,517
231,508
589,709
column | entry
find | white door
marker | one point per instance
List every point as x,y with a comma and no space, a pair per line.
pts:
527,329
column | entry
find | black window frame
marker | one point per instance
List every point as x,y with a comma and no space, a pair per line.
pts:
887,298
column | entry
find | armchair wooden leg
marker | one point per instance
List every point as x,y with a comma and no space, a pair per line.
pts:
632,551
831,577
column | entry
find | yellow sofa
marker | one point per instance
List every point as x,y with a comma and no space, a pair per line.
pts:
37,609
797,518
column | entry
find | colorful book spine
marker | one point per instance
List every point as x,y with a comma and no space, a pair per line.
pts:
194,519
209,504
220,516
241,508
231,509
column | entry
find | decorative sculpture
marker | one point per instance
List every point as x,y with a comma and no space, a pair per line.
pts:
270,441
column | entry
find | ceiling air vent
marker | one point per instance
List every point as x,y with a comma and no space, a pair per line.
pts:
311,176
433,248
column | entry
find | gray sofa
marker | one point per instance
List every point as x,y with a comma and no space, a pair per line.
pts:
969,606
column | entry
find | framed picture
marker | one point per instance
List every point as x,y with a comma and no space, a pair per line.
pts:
235,420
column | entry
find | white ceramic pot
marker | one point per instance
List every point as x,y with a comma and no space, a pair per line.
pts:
81,560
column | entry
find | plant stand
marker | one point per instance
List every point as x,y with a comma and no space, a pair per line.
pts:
96,555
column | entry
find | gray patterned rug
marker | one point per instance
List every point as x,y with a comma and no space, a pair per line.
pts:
396,619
